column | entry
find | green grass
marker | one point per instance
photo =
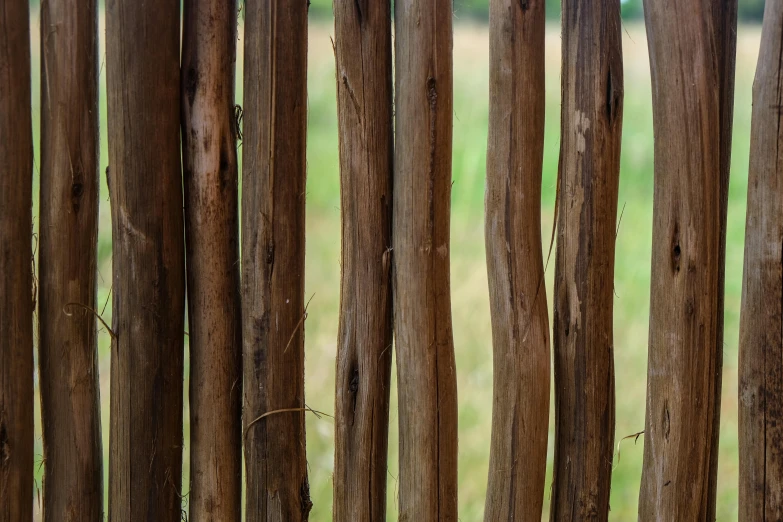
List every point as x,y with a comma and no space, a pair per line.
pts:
470,303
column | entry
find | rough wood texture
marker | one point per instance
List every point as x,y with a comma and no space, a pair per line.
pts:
212,244
761,323
67,350
422,299
145,184
591,127
273,250
364,353
520,318
692,49
16,281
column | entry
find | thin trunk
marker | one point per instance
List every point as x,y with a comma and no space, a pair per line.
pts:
422,295
212,242
692,50
591,127
17,300
273,254
145,183
68,357
761,323
364,86
520,318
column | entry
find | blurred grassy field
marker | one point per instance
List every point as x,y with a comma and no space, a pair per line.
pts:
472,336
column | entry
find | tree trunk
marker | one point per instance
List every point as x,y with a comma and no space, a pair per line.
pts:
212,242
68,357
520,320
142,64
364,86
273,255
422,300
692,50
761,324
591,128
17,300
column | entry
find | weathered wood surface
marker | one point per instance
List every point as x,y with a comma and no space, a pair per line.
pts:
520,318
67,350
426,371
209,154
17,300
273,250
761,320
364,353
145,185
692,52
591,127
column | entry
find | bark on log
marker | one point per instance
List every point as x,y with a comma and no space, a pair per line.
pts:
212,243
520,318
67,356
145,183
761,323
17,299
422,301
692,53
364,353
273,250
591,126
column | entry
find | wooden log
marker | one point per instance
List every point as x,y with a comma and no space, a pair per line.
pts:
209,134
273,250
520,318
364,353
591,127
692,52
761,319
17,293
67,350
145,184
422,296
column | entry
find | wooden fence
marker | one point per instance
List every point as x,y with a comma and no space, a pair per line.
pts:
173,133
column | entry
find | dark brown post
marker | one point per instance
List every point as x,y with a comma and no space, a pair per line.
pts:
692,50
364,87
209,135
145,183
520,318
591,126
68,358
273,254
422,294
761,323
17,299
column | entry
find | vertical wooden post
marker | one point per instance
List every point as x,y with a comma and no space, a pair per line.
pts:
591,126
364,354
145,183
520,318
209,154
692,49
761,322
422,293
17,300
68,358
273,250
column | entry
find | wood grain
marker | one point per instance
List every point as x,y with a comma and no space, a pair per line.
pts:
209,134
17,297
520,317
273,250
364,348
591,128
692,50
67,349
145,186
